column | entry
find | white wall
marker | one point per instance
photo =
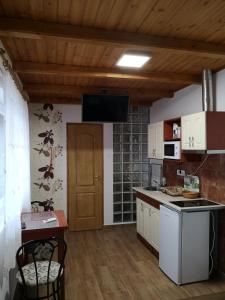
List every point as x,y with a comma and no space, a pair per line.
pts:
70,114
188,100
185,101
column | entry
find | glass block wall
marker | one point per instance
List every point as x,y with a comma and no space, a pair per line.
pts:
130,162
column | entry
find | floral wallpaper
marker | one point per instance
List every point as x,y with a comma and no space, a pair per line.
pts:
46,153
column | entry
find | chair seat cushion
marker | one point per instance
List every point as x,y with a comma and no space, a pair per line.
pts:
42,271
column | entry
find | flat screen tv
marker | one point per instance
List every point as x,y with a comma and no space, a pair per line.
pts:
104,108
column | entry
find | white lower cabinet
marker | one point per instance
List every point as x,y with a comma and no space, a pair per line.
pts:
154,228
148,223
140,217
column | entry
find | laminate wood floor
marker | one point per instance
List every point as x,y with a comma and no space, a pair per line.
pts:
113,264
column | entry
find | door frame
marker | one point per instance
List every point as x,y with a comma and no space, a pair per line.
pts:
67,172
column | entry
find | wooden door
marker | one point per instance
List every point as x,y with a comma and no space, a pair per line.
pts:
85,176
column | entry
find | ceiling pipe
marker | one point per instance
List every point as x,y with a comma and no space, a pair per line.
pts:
208,103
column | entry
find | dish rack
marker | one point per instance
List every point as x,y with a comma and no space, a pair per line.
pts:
173,190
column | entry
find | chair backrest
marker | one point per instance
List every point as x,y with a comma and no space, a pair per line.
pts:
38,251
47,205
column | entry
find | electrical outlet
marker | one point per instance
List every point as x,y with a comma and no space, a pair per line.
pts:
180,172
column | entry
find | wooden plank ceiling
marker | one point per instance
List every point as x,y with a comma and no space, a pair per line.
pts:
62,48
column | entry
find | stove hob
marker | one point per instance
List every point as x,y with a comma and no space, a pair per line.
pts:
194,203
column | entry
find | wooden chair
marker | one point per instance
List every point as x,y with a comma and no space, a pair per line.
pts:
39,272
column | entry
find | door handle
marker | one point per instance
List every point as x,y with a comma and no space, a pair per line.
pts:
192,141
96,177
154,152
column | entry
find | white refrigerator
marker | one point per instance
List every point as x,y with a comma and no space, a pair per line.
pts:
184,245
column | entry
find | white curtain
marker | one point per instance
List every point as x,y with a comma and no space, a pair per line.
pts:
17,178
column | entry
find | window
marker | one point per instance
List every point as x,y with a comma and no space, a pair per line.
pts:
2,159
2,181
2,156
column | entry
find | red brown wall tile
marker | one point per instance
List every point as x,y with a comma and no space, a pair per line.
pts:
212,186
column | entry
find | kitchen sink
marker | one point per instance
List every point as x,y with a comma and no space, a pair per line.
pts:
194,203
150,188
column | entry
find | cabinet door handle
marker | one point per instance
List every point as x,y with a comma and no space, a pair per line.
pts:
189,139
192,141
149,211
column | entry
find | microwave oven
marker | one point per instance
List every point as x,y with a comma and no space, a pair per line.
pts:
172,150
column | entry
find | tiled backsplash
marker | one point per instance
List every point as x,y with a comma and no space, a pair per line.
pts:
212,186
130,162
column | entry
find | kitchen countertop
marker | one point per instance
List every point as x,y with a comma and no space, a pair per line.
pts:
166,199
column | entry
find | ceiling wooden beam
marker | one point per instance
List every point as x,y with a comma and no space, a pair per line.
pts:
77,91
81,71
23,28
55,100
67,100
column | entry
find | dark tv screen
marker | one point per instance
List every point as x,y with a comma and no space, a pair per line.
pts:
105,108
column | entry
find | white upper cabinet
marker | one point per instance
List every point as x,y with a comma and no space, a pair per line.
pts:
155,140
186,132
193,131
151,140
159,141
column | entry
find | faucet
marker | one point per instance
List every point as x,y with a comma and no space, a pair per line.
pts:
156,183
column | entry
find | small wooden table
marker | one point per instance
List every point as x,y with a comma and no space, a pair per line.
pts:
37,229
